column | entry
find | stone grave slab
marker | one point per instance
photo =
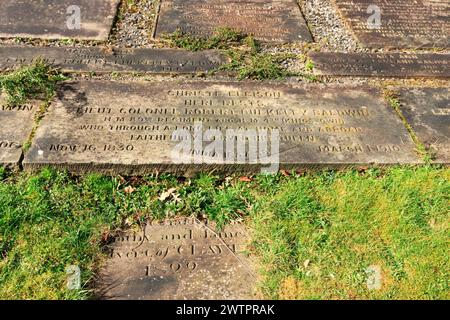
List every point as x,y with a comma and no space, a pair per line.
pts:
267,20
16,125
114,60
57,19
427,110
176,260
403,65
137,128
403,24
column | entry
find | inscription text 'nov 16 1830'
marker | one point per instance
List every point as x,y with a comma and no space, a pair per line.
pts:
131,127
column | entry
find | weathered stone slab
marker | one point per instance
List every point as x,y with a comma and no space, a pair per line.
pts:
427,110
138,128
177,260
403,24
403,65
267,20
57,19
114,60
16,124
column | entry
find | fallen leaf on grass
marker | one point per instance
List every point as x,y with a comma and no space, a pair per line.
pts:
306,263
129,190
285,173
167,194
363,169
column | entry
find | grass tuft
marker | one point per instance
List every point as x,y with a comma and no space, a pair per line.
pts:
246,56
37,81
392,99
223,38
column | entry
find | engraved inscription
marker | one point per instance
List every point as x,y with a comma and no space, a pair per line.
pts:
427,110
317,125
404,24
16,123
267,20
48,19
97,60
382,64
176,259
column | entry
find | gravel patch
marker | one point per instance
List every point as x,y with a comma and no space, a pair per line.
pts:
327,27
49,43
134,24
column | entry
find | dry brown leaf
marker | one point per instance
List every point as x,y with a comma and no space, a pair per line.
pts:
129,190
176,197
284,173
167,194
363,169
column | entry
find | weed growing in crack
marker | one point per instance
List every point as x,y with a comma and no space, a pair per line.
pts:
36,81
245,54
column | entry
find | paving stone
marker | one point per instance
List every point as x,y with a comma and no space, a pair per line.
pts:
138,128
427,110
403,65
176,260
268,20
403,24
57,19
16,125
114,60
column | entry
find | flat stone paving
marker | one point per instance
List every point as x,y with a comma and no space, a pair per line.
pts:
137,128
403,65
16,125
427,110
114,60
130,127
268,20
52,19
177,260
403,24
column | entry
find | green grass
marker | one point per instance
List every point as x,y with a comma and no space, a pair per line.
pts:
244,52
313,235
257,65
36,81
223,38
318,234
